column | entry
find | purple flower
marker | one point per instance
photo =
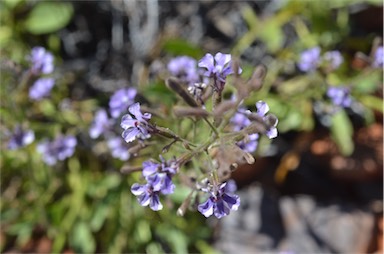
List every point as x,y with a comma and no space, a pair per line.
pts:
58,149
334,58
218,67
240,120
100,124
220,202
378,57
309,59
262,110
160,175
340,96
41,88
147,195
42,61
120,101
118,148
20,138
250,144
184,68
135,124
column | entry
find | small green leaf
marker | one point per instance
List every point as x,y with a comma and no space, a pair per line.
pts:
82,238
342,131
48,17
182,47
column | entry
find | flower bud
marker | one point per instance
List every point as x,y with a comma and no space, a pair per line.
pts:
175,85
181,111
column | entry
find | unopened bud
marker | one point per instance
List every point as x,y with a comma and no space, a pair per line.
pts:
128,169
181,111
249,158
175,85
271,120
184,206
223,107
257,78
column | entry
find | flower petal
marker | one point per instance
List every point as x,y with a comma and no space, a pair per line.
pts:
206,208
130,134
262,108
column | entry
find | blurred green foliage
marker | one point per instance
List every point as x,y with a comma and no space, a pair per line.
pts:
84,203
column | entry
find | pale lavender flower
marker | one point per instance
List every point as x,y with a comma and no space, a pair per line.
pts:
309,59
334,58
118,148
184,68
262,110
147,194
41,88
340,96
378,57
120,101
240,120
101,123
220,202
57,150
20,138
135,124
41,60
250,144
218,68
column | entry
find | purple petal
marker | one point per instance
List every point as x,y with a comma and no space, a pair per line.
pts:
134,109
130,134
128,122
144,199
221,209
168,186
155,204
138,189
149,168
233,201
206,208
272,133
222,59
207,62
262,108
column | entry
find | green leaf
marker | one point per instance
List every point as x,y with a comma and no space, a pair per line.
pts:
342,130
82,238
48,17
272,36
98,219
372,102
182,47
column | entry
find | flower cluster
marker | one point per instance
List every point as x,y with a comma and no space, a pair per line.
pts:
41,61
159,181
57,150
246,128
311,59
103,125
241,120
340,96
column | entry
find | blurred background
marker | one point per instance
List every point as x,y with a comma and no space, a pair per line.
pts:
317,188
